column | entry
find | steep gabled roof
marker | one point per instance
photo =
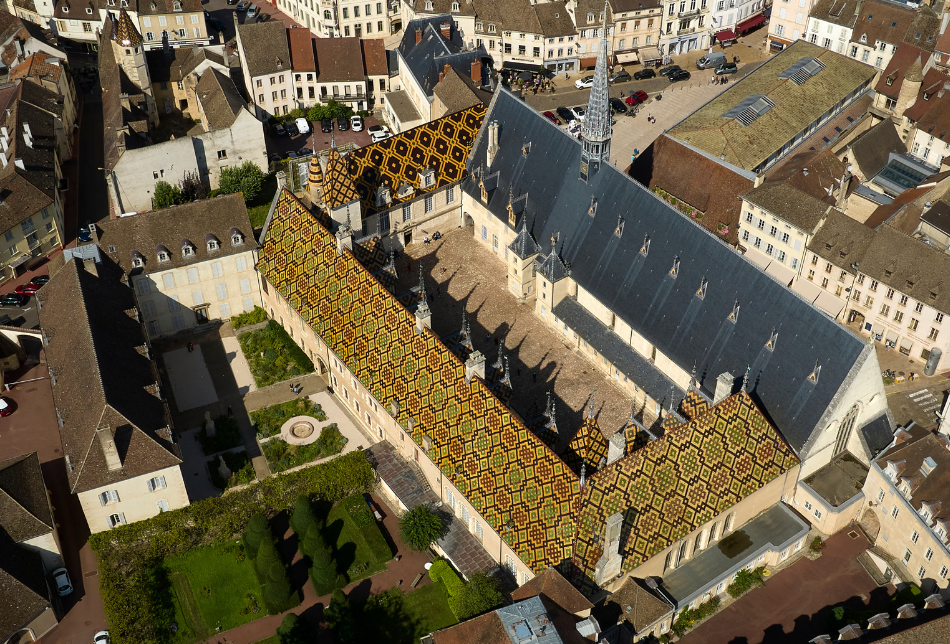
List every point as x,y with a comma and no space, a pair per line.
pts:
24,506
555,587
588,448
23,590
338,185
265,47
219,98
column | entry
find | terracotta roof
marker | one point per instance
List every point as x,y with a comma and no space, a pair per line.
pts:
895,23
936,631
126,33
23,590
265,47
497,627
219,98
339,60
932,109
943,43
374,57
680,481
892,77
24,506
931,488
96,352
553,585
33,186
484,629
791,204
193,221
519,486
442,7
824,168
65,9
37,65
458,92
301,50
442,145
794,107
883,214
637,605
871,151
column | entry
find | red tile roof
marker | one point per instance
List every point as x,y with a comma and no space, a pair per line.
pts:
301,50
339,59
374,57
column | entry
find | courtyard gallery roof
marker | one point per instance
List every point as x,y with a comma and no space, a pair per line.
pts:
690,317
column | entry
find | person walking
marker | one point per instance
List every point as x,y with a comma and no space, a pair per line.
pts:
191,347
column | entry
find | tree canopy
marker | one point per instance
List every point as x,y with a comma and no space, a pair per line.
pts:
246,178
420,526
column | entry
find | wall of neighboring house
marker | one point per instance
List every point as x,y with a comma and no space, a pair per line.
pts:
138,170
183,29
135,500
929,148
79,27
877,53
438,210
826,518
169,300
39,233
788,243
47,547
788,21
272,94
829,35
219,149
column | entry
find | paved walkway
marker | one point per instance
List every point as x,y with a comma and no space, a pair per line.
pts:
239,365
794,605
190,379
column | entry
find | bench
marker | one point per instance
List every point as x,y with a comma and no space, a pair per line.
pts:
416,580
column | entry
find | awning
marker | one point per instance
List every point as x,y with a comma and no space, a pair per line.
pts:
758,259
627,57
877,330
648,54
781,272
829,304
808,290
907,343
521,67
724,35
754,21
891,336
19,261
588,62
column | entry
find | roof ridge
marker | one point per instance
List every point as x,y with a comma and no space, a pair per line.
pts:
93,438
23,458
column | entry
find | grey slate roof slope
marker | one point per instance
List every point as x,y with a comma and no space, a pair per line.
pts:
219,99
104,378
430,56
23,590
791,204
667,311
872,150
265,47
24,506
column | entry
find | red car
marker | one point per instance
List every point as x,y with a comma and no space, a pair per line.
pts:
552,117
636,98
7,407
28,289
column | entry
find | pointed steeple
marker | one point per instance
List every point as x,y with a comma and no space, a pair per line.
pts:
423,309
596,129
499,363
506,379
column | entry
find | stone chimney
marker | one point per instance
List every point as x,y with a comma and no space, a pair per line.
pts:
106,441
446,29
492,141
475,366
418,34
615,447
477,71
724,384
609,565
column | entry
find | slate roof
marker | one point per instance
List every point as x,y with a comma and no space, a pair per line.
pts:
552,584
265,47
219,98
679,482
795,106
96,352
935,486
178,63
667,312
895,23
791,204
839,12
167,227
871,151
339,60
23,590
430,56
24,506
374,57
442,145
519,486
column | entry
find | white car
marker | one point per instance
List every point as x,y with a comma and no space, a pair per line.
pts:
102,637
61,581
356,123
303,125
379,136
584,83
251,11
579,113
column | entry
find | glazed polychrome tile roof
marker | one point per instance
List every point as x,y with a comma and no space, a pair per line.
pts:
679,482
588,445
338,186
442,145
520,487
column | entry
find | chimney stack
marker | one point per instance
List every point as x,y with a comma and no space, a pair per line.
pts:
446,29
615,447
477,72
724,384
418,33
106,441
475,366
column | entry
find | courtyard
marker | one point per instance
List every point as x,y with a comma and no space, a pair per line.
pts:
461,274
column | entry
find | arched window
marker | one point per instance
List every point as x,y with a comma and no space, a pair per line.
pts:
681,557
844,432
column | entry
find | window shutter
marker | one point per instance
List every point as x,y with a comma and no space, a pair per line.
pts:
151,485
222,291
102,499
197,297
241,264
122,518
161,481
109,524
245,286
192,275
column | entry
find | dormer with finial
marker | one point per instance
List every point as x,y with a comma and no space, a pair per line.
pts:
129,52
552,278
423,314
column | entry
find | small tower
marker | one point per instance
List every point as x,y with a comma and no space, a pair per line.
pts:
315,181
910,88
130,54
596,129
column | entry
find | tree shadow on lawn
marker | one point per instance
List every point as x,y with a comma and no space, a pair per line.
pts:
289,548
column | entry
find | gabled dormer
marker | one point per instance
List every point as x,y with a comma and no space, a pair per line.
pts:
212,243
163,254
383,197
138,259
893,469
187,248
426,179
237,237
405,191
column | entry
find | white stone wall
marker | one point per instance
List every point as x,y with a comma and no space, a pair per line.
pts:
48,548
135,501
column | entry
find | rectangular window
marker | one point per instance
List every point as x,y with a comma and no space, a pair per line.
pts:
943,572
162,505
148,308
913,324
168,280
109,496
248,304
192,275
938,318
155,483
933,334
921,572
116,519
173,303
245,286
241,263
914,537
898,316
197,298
178,322
906,556
216,269
929,554
225,310
895,512
484,233
903,300
407,212
222,291
450,195
428,203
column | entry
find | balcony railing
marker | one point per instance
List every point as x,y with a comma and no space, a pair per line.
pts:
688,14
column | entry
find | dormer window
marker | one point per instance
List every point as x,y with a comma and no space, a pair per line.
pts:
176,6
491,28
123,3
455,7
893,469
137,261
163,256
427,178
645,249
428,5
479,26
213,245
236,237
89,10
383,197
187,251
65,8
111,3
864,38
590,18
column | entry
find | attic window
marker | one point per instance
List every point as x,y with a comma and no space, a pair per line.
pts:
750,109
237,239
618,231
479,26
926,96
427,178
163,256
893,24
770,345
491,29
645,249
864,37
933,295
734,316
592,210
111,248
802,70
455,6
213,245
65,8
89,10
123,3
428,5
675,270
888,272
187,251
590,17
703,285
137,262
890,80
910,284
813,376
176,6
111,3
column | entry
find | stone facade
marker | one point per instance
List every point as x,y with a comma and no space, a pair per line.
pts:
134,499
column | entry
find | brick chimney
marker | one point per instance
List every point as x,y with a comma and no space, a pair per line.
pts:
446,29
418,35
477,71
444,71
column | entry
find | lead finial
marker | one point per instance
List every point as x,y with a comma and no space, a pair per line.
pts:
745,378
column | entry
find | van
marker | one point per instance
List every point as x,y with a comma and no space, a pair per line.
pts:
303,125
713,60
251,11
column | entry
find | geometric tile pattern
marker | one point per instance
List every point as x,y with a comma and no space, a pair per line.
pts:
693,404
520,487
588,446
678,482
443,145
338,186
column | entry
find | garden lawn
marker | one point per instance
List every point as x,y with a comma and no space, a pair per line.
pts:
269,420
257,210
282,456
242,472
272,355
360,548
222,583
429,606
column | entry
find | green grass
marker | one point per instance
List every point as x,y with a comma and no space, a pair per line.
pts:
360,551
223,588
191,626
282,456
257,210
226,436
429,606
254,316
242,472
269,420
272,355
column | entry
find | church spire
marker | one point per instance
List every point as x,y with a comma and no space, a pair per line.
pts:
596,129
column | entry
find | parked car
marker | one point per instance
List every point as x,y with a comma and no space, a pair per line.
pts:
578,112
583,83
263,17
617,106
379,136
85,232
304,152
243,5
326,125
252,11
343,124
291,128
102,637
551,116
666,71
644,74
274,157
303,125
727,68
61,582
356,122
214,22
373,129
291,155
711,60
40,279
7,407
28,289
565,114
679,75
232,1
619,77
279,130
636,98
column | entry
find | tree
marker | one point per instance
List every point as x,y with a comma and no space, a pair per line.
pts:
340,617
419,527
257,530
293,630
479,595
166,195
245,178
302,517
323,570
191,187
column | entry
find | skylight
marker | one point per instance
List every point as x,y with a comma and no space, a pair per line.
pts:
802,70
750,109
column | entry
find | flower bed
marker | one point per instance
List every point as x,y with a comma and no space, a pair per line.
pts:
269,420
272,355
282,456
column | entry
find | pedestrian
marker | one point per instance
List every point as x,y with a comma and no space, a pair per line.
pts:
191,347
496,342
230,412
621,93
409,266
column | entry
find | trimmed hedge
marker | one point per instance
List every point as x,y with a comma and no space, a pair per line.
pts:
134,595
454,586
254,316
